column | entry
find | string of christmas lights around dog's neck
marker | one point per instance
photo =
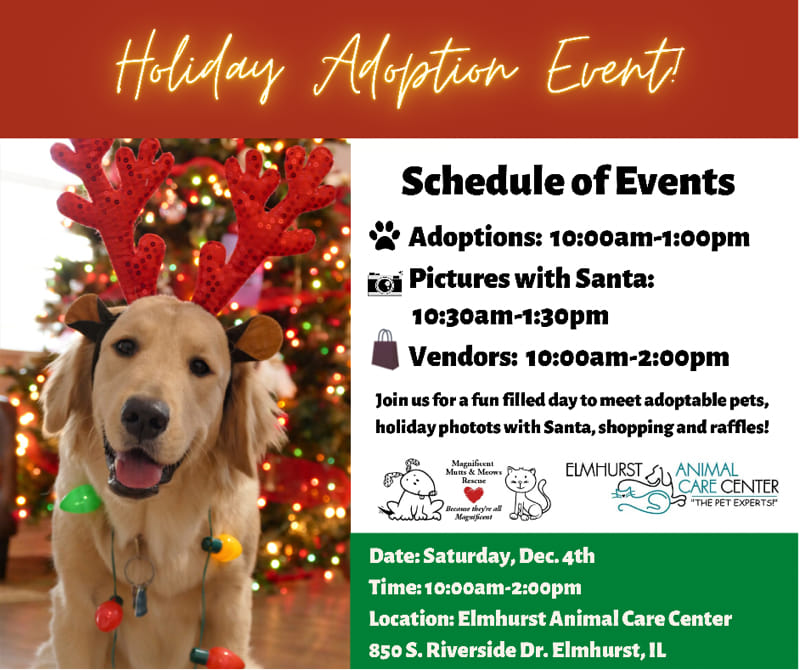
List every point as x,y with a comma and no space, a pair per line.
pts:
108,616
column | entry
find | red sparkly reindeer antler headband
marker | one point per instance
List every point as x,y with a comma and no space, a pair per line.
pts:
262,233
113,212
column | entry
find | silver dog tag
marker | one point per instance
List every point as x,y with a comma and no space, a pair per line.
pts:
140,572
140,599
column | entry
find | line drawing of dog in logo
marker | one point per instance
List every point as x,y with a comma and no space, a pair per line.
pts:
654,495
416,503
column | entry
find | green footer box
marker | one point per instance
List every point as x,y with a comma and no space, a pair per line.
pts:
574,600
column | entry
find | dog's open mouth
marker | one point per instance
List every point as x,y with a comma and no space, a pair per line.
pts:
134,474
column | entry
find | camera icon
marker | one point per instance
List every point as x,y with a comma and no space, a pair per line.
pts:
385,284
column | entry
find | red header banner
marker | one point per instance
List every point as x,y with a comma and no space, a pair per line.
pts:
533,69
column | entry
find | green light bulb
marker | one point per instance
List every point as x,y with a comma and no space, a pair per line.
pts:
81,500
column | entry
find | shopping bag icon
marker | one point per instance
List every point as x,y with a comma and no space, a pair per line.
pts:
384,351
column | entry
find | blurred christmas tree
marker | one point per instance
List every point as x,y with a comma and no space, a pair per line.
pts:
305,490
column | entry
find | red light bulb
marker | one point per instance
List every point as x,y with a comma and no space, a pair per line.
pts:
109,614
216,657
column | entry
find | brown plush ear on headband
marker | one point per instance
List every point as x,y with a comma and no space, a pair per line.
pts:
89,315
257,339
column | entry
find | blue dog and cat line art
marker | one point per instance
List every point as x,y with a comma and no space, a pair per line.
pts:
654,495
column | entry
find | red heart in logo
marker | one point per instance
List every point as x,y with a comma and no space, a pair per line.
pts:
474,495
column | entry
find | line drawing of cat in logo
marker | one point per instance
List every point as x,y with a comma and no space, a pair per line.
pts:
522,481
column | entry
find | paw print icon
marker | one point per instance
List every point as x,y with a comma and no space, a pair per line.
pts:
384,235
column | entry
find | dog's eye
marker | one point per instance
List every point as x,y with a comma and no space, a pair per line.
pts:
199,367
125,347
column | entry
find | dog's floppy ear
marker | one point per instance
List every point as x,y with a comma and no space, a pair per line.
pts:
249,421
388,480
89,316
68,390
257,339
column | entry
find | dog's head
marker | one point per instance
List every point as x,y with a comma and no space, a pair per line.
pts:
158,381
164,384
418,482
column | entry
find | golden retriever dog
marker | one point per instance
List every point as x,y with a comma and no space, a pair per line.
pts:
159,409
163,413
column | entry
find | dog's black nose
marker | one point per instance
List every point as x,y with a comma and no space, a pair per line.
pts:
145,418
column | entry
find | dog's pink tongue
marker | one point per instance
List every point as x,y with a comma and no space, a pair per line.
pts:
136,471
